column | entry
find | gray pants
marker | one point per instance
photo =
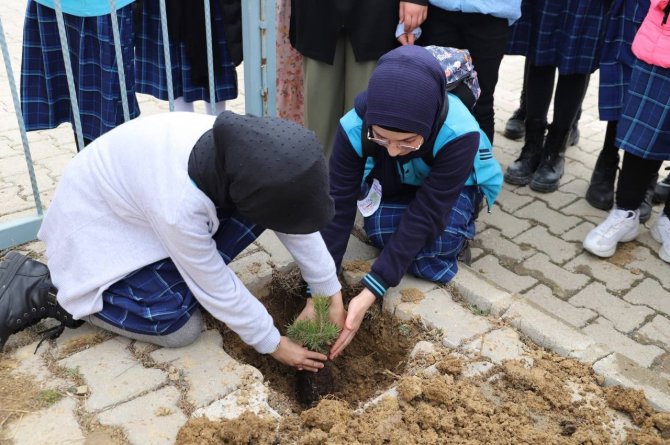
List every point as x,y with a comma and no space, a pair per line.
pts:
184,336
330,90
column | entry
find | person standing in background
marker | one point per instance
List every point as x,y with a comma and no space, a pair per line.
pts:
188,51
563,36
341,41
45,96
481,27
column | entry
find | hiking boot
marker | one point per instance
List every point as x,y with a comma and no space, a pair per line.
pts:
514,128
520,172
28,296
661,233
620,226
661,190
600,193
550,171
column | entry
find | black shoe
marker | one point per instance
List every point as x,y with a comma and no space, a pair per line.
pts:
573,139
28,296
600,193
514,128
550,171
646,206
520,172
465,255
661,190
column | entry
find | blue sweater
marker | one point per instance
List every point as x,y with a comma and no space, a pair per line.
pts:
428,209
506,9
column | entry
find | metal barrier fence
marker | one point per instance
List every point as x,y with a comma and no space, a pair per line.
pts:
258,29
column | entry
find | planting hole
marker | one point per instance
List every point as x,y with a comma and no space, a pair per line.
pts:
369,365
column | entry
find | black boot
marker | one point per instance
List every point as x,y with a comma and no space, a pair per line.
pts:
662,190
520,172
28,296
646,206
514,128
549,172
600,193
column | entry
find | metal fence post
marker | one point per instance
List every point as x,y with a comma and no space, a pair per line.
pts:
259,24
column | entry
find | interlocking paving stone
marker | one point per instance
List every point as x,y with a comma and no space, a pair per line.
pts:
490,267
652,265
255,272
624,315
56,424
615,278
657,330
510,202
439,311
582,209
210,372
153,419
493,241
562,280
620,370
279,256
252,397
509,225
603,331
503,344
651,294
546,330
557,249
112,373
544,298
555,222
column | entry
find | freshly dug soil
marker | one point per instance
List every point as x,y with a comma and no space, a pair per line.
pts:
369,365
554,401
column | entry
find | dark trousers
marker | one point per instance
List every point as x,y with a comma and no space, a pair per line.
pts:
485,37
634,178
570,91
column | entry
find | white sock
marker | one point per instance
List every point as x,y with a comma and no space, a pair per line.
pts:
181,105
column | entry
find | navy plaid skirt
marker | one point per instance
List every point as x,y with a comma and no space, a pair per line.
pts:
565,34
644,127
45,98
150,61
617,58
438,261
155,299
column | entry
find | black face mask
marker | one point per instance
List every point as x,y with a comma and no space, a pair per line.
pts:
270,170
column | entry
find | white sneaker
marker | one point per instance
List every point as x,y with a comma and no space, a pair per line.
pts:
620,226
661,233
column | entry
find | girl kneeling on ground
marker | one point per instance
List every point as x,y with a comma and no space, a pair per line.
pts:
417,162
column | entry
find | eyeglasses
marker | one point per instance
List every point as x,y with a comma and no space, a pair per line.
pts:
387,143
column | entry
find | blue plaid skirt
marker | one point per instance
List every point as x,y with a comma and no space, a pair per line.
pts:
617,58
150,61
155,299
644,127
438,261
45,98
565,34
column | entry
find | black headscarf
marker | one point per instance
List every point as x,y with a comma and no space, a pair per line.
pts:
270,170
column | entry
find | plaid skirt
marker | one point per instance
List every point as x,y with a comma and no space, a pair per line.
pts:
617,58
644,127
438,261
155,299
150,61
565,34
45,97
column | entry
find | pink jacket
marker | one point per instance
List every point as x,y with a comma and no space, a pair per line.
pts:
652,41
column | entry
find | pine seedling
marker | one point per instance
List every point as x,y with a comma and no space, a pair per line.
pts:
315,334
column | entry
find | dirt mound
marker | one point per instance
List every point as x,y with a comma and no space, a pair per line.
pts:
556,401
434,398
